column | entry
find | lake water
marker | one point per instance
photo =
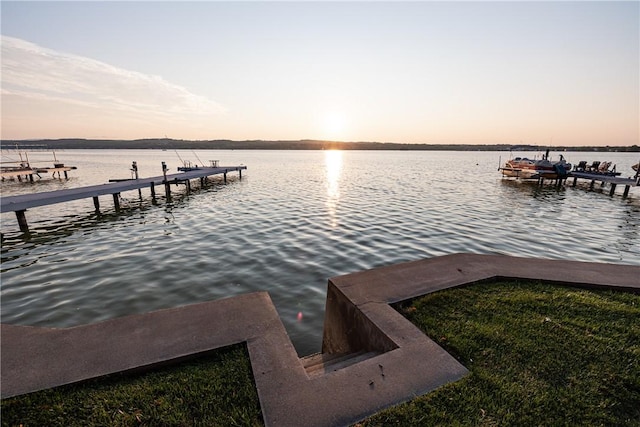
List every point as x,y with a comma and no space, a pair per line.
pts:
295,219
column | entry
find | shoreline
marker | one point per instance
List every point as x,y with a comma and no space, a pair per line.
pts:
304,144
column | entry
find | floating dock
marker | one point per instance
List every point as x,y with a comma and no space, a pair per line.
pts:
19,204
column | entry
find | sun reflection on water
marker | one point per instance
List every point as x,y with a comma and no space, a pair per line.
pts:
333,164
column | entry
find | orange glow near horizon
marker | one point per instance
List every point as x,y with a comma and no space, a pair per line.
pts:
323,71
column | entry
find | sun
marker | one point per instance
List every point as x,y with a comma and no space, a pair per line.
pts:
334,124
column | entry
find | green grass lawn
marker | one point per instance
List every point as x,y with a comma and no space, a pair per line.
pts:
215,390
538,355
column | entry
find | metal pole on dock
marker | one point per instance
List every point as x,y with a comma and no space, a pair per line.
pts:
167,188
134,169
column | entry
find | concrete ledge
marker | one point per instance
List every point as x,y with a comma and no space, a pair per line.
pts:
384,359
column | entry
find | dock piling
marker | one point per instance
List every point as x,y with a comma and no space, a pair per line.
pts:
22,221
613,189
96,203
116,201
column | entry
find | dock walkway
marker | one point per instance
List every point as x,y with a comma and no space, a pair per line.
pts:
19,204
614,181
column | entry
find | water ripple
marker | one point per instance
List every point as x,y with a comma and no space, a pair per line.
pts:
294,220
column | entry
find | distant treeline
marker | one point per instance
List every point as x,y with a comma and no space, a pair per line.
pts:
225,144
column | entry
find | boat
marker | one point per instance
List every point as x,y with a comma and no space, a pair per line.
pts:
524,168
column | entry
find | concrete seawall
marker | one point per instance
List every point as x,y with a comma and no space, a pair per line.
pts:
372,356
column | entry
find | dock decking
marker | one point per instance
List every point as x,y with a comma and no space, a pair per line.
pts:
612,180
29,172
19,204
603,178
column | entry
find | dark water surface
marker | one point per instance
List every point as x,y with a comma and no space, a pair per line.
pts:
295,219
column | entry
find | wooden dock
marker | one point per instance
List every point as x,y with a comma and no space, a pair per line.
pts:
28,172
19,204
612,180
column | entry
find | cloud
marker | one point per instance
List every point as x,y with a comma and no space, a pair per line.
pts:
37,76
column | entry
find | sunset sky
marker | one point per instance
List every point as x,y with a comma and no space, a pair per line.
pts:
559,73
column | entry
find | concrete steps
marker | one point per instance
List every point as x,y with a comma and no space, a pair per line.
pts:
322,363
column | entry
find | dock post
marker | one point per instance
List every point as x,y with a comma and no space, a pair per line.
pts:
626,191
22,221
593,181
65,175
188,184
153,190
240,172
225,176
575,180
613,189
116,201
96,203
31,177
